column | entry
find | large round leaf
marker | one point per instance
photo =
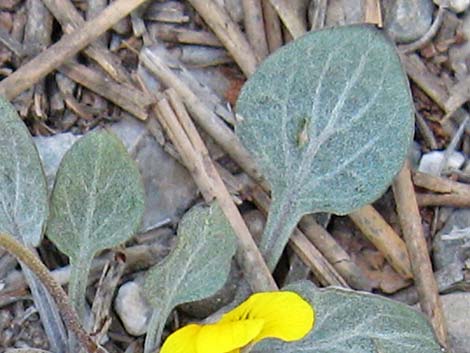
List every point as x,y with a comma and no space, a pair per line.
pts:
329,119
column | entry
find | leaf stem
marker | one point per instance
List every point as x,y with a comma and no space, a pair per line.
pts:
70,317
278,229
155,329
78,284
77,293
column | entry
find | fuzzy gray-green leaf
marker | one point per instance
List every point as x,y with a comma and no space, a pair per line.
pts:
23,191
329,119
198,265
352,322
97,200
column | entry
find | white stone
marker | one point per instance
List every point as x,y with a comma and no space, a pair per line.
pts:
430,162
455,5
132,308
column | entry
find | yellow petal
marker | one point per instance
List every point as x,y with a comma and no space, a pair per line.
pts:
286,314
224,337
182,340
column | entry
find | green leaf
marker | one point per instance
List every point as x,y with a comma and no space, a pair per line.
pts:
329,119
196,268
98,198
97,203
353,322
23,192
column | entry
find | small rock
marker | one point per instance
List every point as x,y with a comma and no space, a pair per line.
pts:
406,21
169,188
51,150
431,162
456,308
452,243
132,308
455,5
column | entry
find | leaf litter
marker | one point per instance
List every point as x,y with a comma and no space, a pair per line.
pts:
68,104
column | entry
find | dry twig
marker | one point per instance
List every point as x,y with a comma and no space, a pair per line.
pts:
373,13
450,193
272,26
334,253
11,43
318,15
229,34
205,117
254,27
429,83
426,132
65,48
106,288
171,33
125,96
138,257
181,130
41,271
384,238
425,282
70,19
294,24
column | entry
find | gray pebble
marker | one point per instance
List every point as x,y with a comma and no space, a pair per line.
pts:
407,20
456,309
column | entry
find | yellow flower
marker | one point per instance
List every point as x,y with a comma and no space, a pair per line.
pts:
284,315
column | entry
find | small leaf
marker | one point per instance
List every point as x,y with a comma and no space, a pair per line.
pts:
196,268
23,192
97,200
352,322
329,118
97,203
199,264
